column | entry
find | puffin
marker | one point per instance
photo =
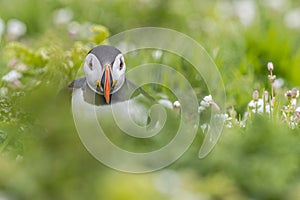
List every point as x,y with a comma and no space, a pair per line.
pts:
105,79
106,94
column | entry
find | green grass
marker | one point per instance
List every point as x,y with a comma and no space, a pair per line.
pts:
41,155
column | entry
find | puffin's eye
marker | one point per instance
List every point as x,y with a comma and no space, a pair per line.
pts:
121,64
90,64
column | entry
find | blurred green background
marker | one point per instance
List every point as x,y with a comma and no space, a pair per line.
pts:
44,43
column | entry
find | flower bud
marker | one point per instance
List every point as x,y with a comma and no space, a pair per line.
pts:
270,66
295,93
266,95
297,115
255,95
288,95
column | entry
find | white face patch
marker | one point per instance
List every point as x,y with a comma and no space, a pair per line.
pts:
118,72
93,71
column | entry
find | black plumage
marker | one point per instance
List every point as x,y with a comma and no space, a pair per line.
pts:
105,54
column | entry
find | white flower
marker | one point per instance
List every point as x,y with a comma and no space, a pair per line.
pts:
62,16
279,5
74,29
295,93
292,124
242,123
208,98
226,119
278,83
255,104
258,106
255,95
12,76
245,11
21,67
288,94
268,108
228,125
206,103
260,110
176,104
297,115
291,19
165,103
157,54
15,29
205,127
200,109
266,95
293,102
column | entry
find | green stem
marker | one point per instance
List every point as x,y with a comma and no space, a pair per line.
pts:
272,88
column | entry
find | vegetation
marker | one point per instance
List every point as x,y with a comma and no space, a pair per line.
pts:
43,45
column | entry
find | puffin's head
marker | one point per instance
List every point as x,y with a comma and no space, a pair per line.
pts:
104,69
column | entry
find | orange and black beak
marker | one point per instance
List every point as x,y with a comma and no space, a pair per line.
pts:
107,83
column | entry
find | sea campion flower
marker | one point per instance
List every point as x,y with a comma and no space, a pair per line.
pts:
272,78
226,119
15,29
266,96
264,104
256,106
255,103
62,16
255,95
288,95
290,113
270,66
260,105
291,96
13,78
176,104
295,93
297,115
205,127
291,19
206,103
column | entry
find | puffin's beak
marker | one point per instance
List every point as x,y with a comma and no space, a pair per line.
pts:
107,83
